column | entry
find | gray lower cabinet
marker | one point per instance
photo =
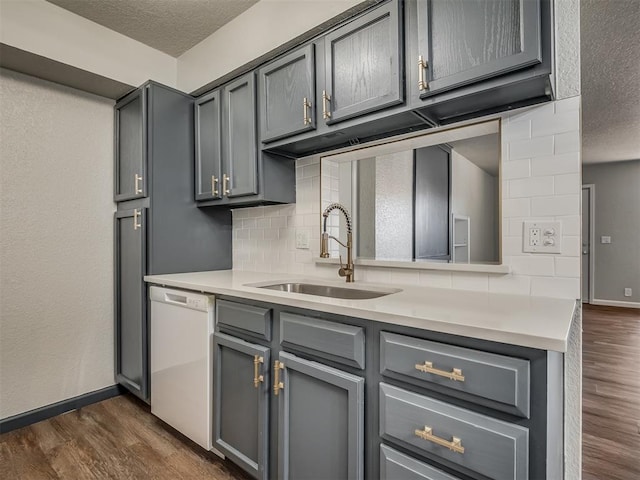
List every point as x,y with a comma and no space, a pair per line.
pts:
131,340
398,466
131,146
241,406
320,421
363,69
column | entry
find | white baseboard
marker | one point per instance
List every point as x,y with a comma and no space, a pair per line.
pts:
615,303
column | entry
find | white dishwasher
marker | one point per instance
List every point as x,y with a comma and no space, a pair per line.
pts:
181,367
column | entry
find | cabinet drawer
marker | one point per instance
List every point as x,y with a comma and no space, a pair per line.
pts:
255,321
398,466
330,340
502,380
496,449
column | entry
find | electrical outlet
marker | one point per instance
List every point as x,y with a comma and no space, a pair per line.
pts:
302,239
628,292
542,237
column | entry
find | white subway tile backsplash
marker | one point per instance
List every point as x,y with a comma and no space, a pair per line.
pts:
571,246
535,147
531,187
545,110
571,224
556,164
568,267
532,265
435,279
555,205
555,287
516,169
516,207
568,142
558,123
405,277
511,284
517,130
569,183
567,104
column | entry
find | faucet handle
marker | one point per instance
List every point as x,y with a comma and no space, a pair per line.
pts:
344,269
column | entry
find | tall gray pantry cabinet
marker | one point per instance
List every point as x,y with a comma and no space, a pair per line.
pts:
158,228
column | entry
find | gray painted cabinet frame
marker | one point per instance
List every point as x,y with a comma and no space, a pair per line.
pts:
319,439
130,336
241,433
130,146
208,145
527,32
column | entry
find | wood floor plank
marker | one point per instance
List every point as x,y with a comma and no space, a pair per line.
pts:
611,393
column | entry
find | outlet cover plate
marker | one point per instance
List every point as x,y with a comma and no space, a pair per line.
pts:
302,239
542,237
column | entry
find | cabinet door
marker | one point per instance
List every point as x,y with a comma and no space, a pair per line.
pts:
208,136
363,68
464,42
241,403
286,95
131,359
239,146
321,421
131,146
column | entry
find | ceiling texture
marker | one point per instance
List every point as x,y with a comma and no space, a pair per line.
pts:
610,75
171,26
610,56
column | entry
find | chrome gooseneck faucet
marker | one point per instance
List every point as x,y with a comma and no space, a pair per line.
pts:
345,270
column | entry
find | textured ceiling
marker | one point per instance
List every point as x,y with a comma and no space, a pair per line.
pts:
171,26
610,58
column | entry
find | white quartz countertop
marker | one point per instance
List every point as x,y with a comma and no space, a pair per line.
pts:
535,322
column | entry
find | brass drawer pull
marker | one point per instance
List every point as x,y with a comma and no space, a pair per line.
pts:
326,98
422,66
214,185
455,445
137,179
225,184
306,108
455,374
277,384
257,379
137,214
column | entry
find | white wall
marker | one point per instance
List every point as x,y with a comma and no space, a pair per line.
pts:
56,243
541,180
261,28
50,31
474,193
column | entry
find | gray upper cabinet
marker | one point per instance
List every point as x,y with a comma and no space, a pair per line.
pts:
287,94
208,136
131,301
363,70
241,405
239,146
462,42
131,147
321,421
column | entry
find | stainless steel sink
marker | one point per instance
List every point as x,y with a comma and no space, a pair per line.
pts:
329,290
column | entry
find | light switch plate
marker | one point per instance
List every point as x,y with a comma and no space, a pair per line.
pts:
605,239
542,237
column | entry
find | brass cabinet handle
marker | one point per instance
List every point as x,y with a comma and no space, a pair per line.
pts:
225,184
326,98
277,384
257,378
455,445
136,214
306,108
422,66
427,367
137,179
214,185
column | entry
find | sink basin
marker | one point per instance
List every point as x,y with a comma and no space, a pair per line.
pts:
329,290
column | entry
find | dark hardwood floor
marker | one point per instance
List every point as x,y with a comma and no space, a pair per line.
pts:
611,393
116,439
